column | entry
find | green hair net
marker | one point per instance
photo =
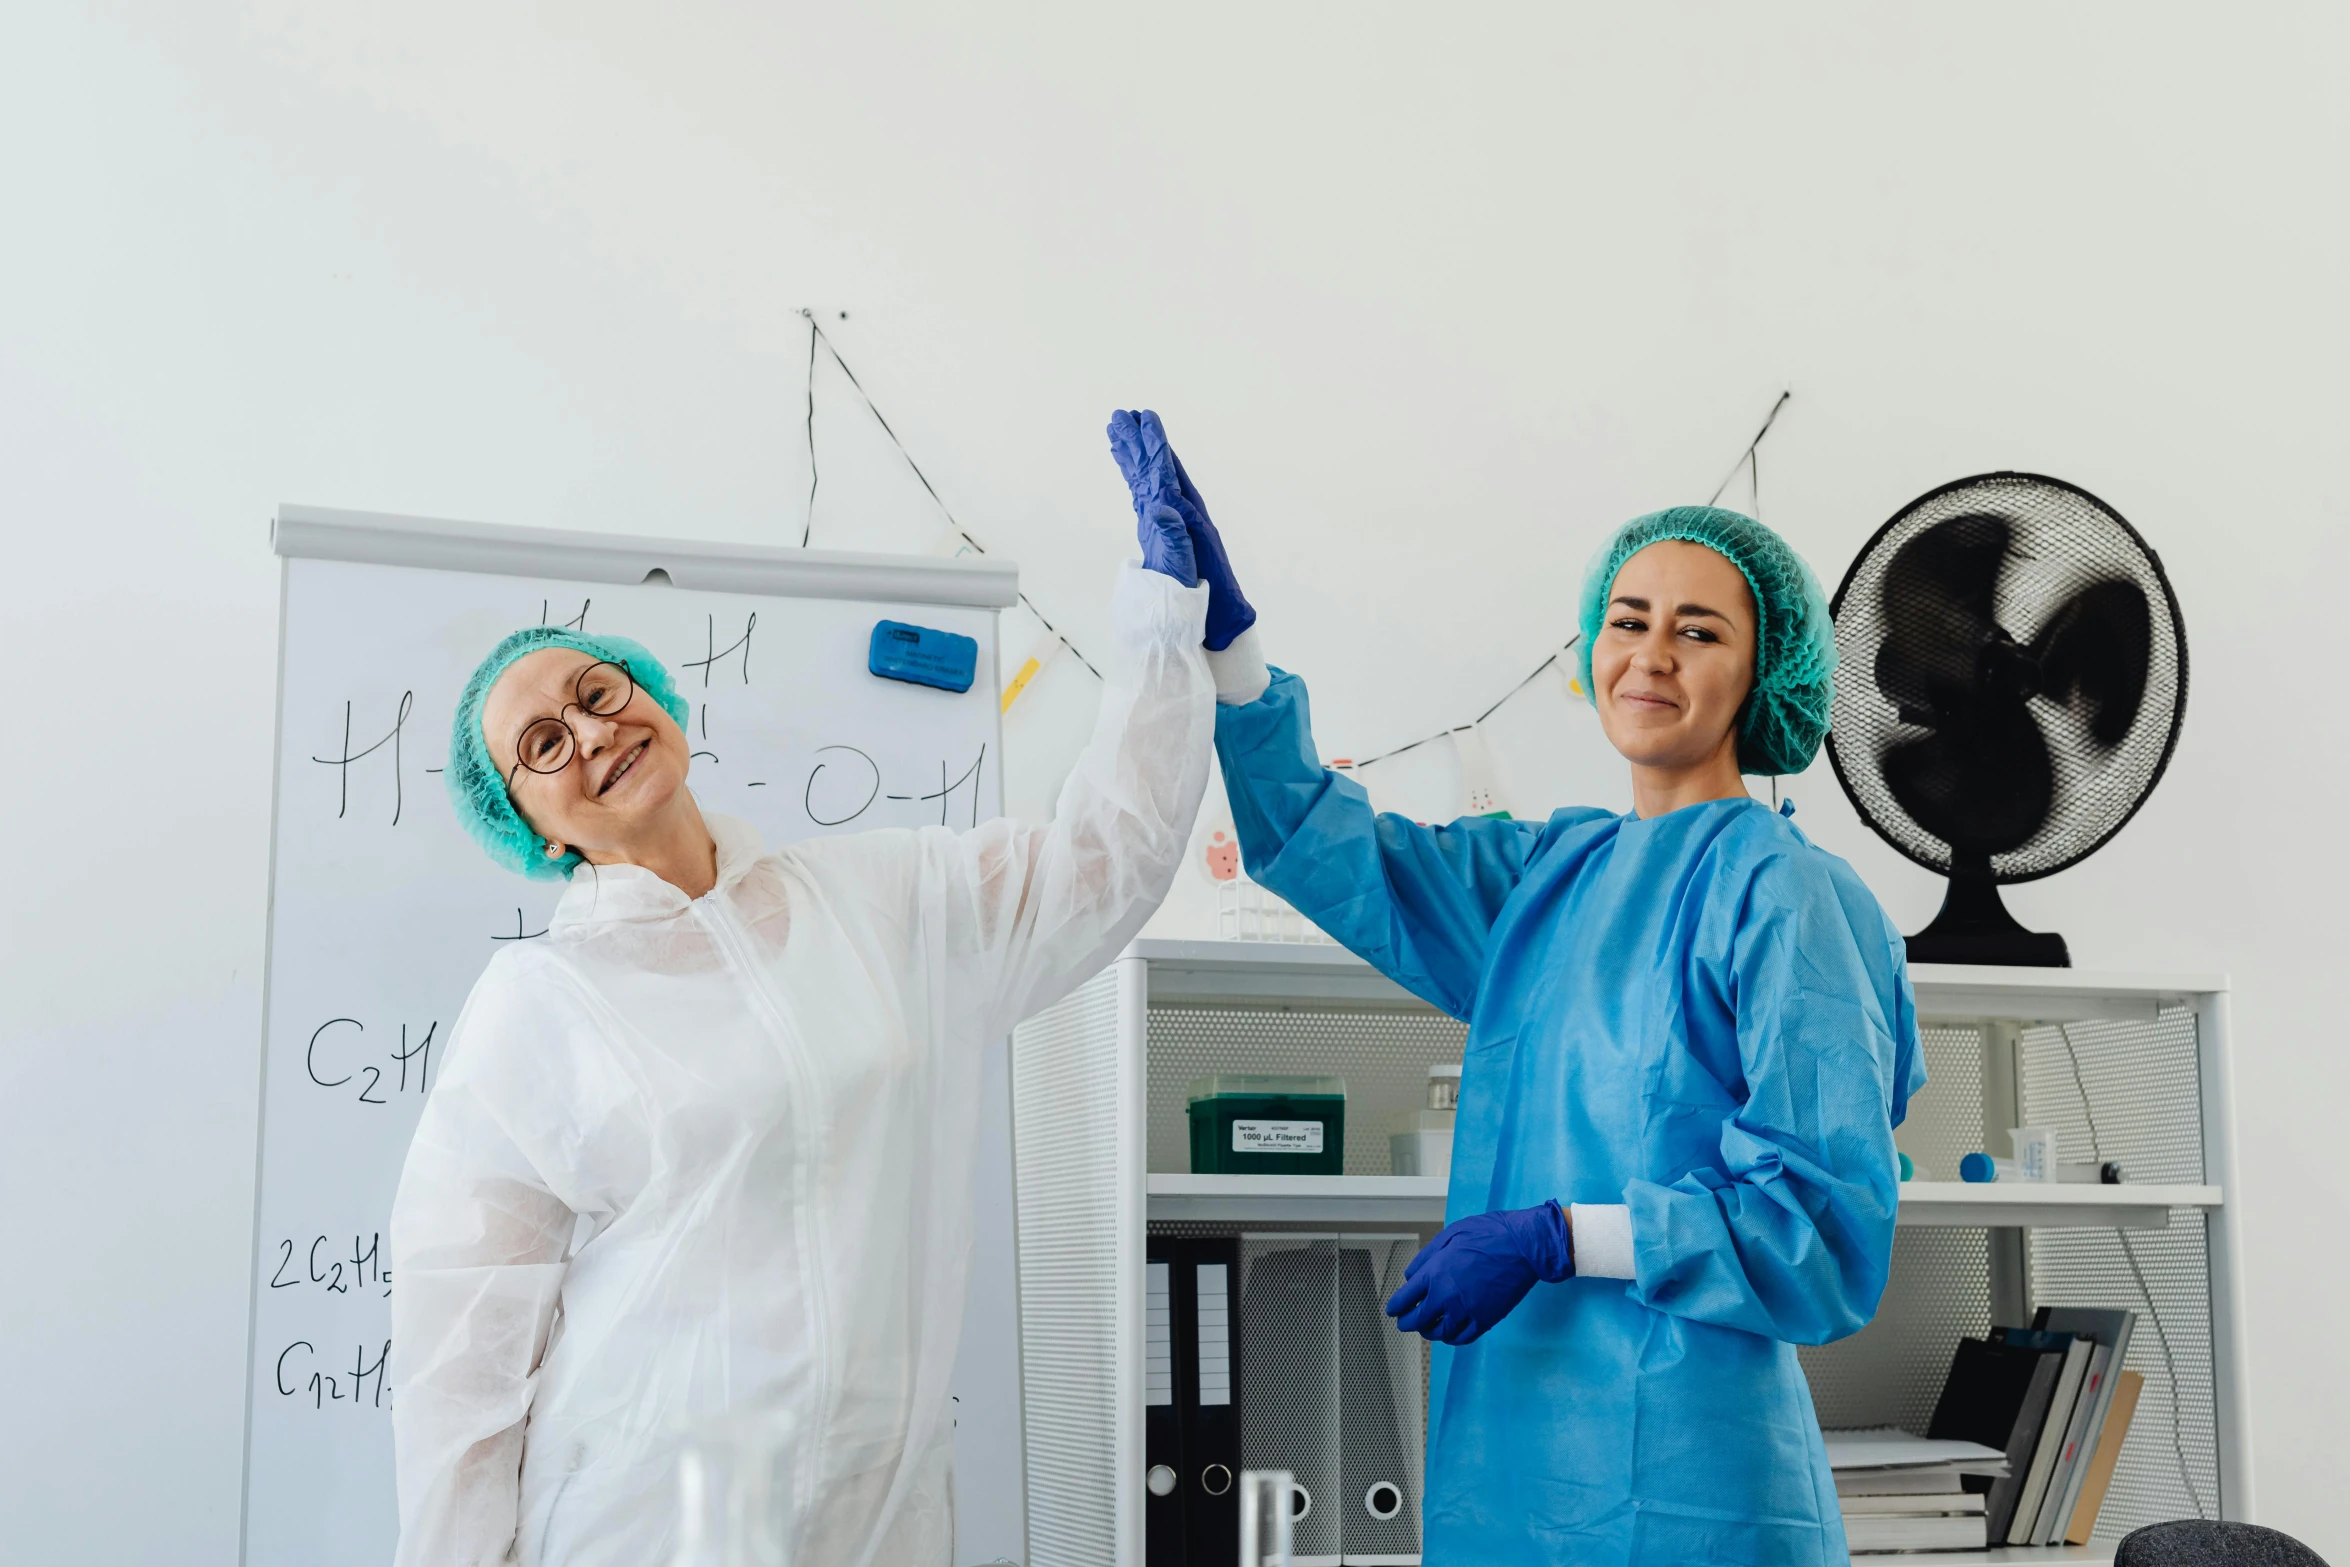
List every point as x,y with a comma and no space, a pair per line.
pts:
478,790
1786,715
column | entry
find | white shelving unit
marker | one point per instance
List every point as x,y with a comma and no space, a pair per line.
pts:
1311,1199
2117,1063
1419,1199
1952,1204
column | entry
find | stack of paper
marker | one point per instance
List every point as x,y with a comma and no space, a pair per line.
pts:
1901,1492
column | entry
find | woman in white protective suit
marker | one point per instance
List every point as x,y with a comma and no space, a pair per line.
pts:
708,1145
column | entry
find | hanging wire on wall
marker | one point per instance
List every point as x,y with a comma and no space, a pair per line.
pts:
817,334
809,526
1748,460
1751,461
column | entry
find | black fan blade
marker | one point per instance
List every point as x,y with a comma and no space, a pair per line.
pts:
1937,593
1983,782
2096,652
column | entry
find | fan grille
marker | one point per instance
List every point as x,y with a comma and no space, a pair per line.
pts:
2064,539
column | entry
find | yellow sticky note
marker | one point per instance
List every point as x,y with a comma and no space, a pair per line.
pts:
1019,684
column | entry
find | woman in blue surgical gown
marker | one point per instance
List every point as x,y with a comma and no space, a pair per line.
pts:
1690,1038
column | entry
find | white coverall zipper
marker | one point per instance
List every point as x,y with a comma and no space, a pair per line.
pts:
725,930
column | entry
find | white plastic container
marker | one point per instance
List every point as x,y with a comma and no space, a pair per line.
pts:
1419,1142
2035,1153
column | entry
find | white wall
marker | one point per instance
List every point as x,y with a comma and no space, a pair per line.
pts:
1429,302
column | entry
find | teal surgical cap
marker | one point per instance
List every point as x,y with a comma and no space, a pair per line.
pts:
478,790
1786,715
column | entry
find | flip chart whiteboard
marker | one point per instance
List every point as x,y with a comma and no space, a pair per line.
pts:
383,912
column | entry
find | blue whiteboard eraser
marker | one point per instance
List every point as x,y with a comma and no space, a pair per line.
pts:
923,656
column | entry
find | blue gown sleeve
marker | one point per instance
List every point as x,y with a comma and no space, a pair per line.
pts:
1792,1236
1415,902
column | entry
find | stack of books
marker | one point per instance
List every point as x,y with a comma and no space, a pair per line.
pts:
2020,1451
2054,1399
1900,1492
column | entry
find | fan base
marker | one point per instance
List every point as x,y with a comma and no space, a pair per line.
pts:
2020,948
1975,927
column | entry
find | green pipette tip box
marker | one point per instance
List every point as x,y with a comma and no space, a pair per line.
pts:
1260,1123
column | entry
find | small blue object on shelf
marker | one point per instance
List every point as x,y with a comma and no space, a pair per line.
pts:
923,656
1981,1169
1908,1168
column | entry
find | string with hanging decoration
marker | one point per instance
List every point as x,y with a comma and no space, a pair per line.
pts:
1479,778
959,540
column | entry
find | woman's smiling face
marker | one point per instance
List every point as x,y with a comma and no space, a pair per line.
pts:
1674,658
625,766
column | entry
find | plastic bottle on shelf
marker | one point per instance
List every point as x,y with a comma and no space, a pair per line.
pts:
1981,1168
1419,1142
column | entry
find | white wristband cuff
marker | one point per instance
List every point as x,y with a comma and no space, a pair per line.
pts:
1239,670
1602,1233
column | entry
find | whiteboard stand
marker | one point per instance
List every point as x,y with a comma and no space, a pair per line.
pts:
382,913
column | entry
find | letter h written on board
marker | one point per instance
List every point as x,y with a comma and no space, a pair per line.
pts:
387,747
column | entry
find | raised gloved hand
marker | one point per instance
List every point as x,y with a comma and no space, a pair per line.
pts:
1155,477
1166,544
1476,1271
1149,470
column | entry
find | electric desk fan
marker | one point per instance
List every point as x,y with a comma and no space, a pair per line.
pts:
2011,675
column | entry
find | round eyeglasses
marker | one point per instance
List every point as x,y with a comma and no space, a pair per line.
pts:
547,745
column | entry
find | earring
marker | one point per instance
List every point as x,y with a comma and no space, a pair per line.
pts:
555,851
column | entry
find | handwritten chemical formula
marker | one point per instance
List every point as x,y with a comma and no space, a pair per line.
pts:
837,784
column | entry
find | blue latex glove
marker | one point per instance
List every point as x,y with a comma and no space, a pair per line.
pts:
1155,477
1477,1270
1166,544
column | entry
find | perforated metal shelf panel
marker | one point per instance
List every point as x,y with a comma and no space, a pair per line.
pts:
1946,1118
2126,1091
2132,1092
1891,1372
1064,1086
